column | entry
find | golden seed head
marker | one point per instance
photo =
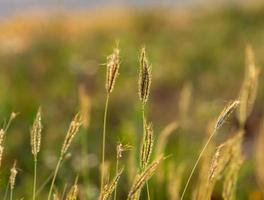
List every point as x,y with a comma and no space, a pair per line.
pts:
113,64
147,144
36,134
109,188
249,87
13,115
13,174
2,134
120,148
231,106
72,130
141,178
144,77
216,162
73,193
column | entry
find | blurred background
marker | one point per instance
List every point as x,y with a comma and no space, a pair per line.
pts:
52,54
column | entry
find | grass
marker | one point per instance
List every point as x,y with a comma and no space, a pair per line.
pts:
219,171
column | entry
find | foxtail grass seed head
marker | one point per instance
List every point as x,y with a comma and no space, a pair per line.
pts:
109,188
249,87
217,162
113,64
147,144
225,113
144,176
73,193
12,177
144,77
13,116
36,134
72,131
120,148
2,134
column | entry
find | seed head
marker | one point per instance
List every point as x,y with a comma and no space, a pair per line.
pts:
147,144
13,174
36,134
73,129
225,113
109,188
249,87
144,77
141,178
113,64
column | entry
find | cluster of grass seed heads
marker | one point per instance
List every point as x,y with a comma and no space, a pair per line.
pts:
144,77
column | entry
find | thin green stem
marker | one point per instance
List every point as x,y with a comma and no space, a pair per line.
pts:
196,163
64,191
54,176
117,163
103,145
143,119
35,177
85,170
46,181
6,191
148,190
11,193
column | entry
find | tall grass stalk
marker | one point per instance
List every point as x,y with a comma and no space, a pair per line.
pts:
54,176
73,129
103,145
117,167
144,83
35,146
144,122
220,121
112,71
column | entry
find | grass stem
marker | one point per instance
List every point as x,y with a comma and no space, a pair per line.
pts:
54,176
196,163
103,145
35,177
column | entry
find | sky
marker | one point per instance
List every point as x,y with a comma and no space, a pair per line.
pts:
9,7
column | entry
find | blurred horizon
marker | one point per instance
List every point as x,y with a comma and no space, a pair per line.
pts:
9,8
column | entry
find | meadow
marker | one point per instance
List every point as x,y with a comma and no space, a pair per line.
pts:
132,104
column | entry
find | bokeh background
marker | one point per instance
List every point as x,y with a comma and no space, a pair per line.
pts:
53,53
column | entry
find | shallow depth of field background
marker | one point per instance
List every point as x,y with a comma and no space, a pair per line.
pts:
47,55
